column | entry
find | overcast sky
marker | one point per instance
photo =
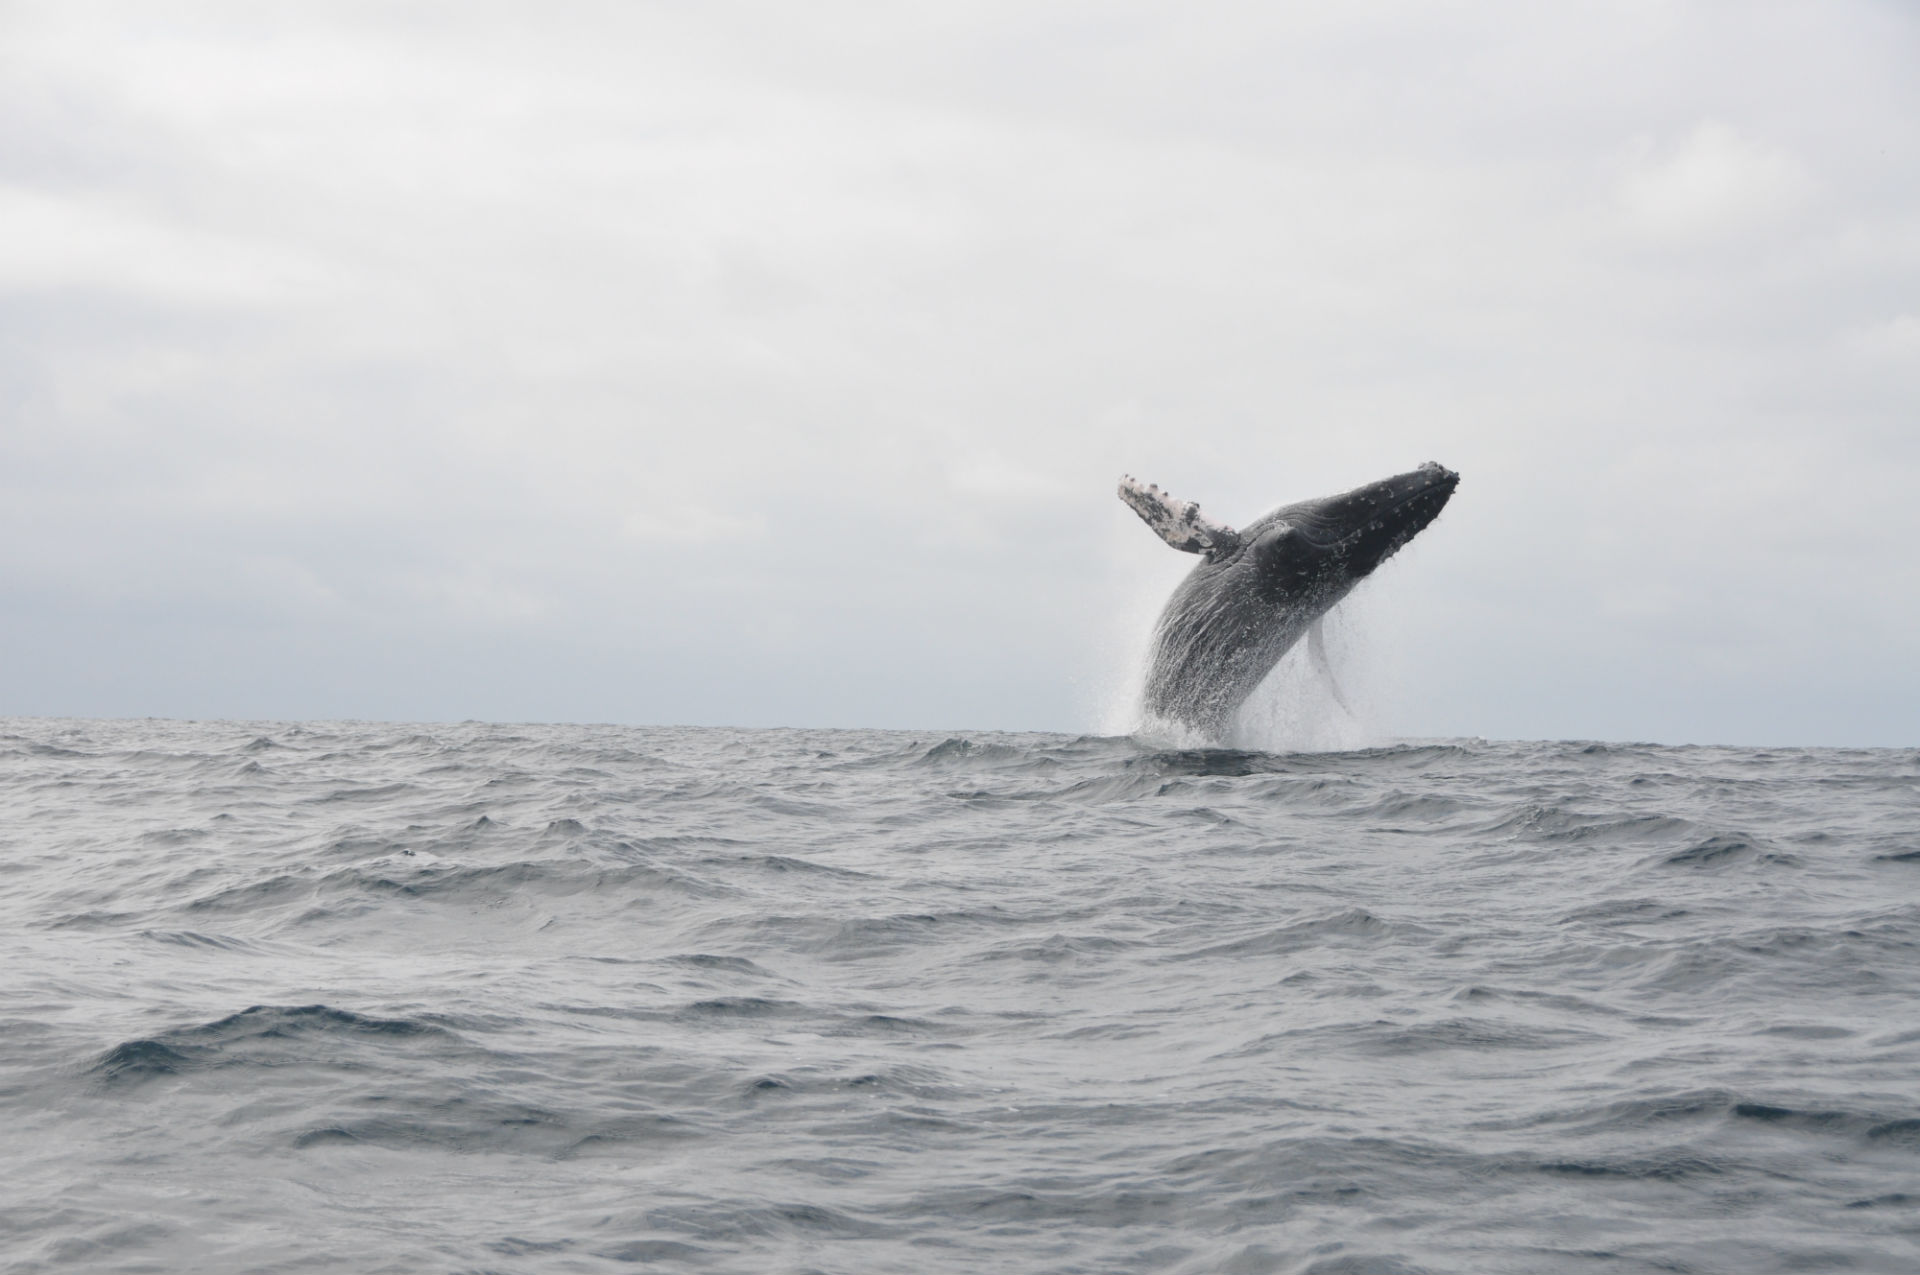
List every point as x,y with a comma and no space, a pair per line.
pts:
773,364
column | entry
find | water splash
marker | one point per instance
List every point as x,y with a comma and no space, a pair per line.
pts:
1295,709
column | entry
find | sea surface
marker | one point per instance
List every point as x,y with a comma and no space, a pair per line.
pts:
351,997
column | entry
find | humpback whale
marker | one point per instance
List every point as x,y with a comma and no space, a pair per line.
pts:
1260,588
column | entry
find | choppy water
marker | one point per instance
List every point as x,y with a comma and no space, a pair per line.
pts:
479,998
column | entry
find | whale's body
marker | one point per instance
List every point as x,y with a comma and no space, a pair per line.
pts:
1259,589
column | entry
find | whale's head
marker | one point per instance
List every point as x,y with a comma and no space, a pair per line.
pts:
1328,545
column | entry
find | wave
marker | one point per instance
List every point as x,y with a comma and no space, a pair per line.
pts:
554,997
261,1035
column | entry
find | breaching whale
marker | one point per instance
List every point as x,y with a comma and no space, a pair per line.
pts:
1257,590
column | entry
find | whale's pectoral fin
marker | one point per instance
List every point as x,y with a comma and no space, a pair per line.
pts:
1179,522
1317,652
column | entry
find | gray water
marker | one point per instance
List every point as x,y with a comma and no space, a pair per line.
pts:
324,997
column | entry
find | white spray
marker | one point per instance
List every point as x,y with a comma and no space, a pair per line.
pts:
1303,705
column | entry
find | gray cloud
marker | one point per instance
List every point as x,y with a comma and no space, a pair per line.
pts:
757,364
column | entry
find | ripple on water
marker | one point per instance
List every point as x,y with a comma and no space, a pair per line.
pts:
583,998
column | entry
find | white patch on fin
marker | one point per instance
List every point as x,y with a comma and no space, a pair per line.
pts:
1317,652
1178,522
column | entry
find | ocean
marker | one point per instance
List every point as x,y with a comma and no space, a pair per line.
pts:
488,998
